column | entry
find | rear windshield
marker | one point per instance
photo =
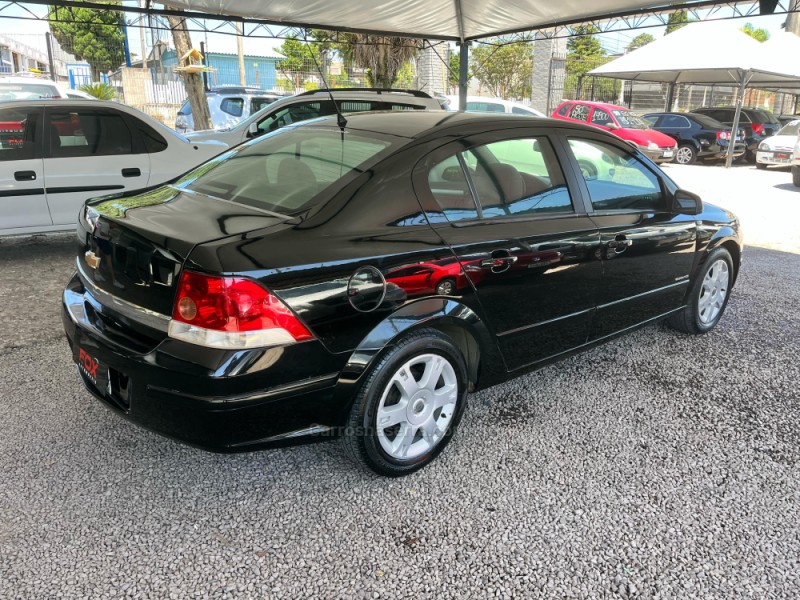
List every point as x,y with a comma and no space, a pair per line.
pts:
707,121
790,128
285,171
26,91
766,116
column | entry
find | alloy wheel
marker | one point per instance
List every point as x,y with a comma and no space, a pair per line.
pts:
713,292
417,406
684,155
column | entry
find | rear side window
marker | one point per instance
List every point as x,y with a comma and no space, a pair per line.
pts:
564,109
616,180
291,114
286,171
579,112
87,133
232,106
486,107
18,133
676,121
153,141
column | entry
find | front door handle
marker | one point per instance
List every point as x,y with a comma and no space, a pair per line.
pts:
131,172
500,261
25,175
619,244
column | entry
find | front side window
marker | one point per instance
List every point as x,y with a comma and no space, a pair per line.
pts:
600,117
87,133
616,180
17,133
629,120
284,172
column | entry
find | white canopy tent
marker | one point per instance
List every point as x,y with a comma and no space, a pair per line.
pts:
676,58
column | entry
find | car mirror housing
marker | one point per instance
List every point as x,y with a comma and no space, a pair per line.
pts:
252,130
612,126
687,203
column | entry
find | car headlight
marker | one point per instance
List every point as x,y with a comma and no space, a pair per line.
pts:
652,146
764,146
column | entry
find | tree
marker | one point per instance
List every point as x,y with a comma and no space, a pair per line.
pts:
454,65
640,40
676,20
383,56
505,69
299,59
583,50
762,35
93,35
192,82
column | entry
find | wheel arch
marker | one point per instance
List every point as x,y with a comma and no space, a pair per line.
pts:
725,238
452,318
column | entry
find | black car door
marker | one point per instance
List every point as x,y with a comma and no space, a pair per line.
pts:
647,250
502,203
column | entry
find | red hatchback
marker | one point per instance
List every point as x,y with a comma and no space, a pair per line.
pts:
621,121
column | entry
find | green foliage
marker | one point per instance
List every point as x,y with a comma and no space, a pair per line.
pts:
298,56
584,51
91,35
676,20
504,69
310,85
405,77
761,35
101,91
640,40
382,56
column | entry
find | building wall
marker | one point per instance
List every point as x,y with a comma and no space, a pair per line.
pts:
260,71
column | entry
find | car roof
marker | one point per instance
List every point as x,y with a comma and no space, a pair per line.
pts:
18,79
418,124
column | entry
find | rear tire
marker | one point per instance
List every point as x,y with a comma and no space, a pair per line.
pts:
708,296
796,176
409,405
761,166
686,155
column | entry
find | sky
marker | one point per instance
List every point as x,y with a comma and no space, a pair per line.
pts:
613,42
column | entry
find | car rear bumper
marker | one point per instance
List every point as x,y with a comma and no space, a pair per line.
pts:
662,155
222,401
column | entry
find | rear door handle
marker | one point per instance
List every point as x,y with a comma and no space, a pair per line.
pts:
131,172
25,175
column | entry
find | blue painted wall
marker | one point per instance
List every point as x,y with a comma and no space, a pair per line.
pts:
259,70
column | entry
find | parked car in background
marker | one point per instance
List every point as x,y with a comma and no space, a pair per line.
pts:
30,88
796,163
786,119
699,137
228,106
623,123
494,105
757,125
79,95
778,149
55,154
318,103
295,286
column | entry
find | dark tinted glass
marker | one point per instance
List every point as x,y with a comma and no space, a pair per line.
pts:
87,133
450,189
153,141
707,122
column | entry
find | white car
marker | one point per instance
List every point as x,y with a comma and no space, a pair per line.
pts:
55,154
313,104
494,105
30,88
778,149
796,163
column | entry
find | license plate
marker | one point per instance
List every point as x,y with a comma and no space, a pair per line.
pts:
95,371
667,153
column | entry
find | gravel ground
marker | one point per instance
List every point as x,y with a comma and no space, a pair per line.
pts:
657,466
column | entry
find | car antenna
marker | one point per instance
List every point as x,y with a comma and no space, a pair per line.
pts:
340,120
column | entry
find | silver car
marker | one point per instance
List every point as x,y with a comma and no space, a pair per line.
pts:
317,103
227,105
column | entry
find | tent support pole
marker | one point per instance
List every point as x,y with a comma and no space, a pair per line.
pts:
670,97
463,75
736,117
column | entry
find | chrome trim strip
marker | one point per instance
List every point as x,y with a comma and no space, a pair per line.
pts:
548,322
313,430
134,312
643,294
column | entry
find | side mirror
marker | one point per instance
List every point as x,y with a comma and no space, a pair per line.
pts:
252,129
687,203
612,126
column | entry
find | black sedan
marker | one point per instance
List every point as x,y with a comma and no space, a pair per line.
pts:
699,137
278,292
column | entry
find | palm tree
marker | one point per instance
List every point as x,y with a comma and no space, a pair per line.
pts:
382,55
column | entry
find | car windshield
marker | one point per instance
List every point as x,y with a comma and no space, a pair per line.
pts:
286,170
791,128
630,120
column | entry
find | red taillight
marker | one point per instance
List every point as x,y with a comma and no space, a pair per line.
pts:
231,312
724,135
758,128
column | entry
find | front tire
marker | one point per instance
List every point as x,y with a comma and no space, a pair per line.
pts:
761,166
409,405
686,155
446,287
796,176
708,295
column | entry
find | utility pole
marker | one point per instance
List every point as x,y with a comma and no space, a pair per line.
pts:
793,20
240,51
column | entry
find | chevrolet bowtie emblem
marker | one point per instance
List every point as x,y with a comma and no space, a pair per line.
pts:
92,259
